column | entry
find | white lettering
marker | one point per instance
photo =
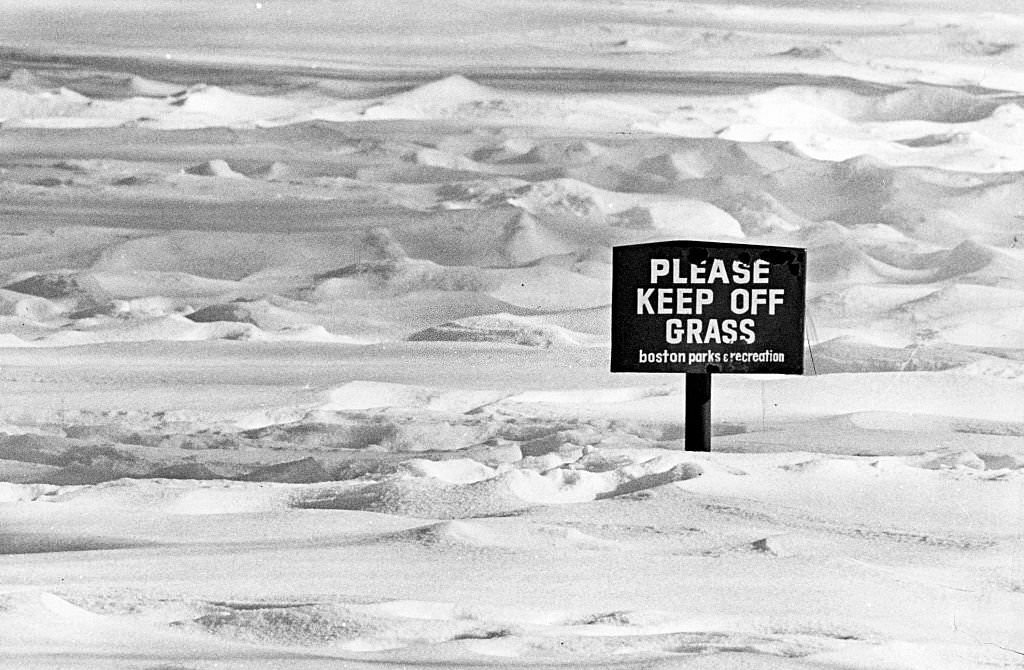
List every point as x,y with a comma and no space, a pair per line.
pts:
643,301
761,270
674,331
705,296
718,272
659,268
747,331
751,301
740,272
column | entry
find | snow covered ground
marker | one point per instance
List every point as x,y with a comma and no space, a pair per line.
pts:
304,335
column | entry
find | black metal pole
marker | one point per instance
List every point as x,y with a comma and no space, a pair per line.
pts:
698,412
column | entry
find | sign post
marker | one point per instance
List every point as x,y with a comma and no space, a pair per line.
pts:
703,308
697,416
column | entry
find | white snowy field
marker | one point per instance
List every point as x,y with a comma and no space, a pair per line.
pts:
304,318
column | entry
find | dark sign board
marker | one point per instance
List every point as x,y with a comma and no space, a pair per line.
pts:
708,307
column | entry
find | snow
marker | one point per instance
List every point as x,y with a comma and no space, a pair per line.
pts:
304,321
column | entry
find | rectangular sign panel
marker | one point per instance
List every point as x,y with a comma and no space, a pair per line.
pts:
708,307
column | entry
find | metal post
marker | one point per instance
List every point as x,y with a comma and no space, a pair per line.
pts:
698,412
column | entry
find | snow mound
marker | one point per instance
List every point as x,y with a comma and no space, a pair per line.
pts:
505,328
278,317
19,105
962,299
677,473
851,354
566,153
404,275
39,310
550,285
999,329
42,608
590,478
8,340
13,493
169,328
293,624
275,171
970,260
215,168
235,312
926,103
436,98
76,290
695,164
914,103
759,213
454,471
178,328
841,261
420,497
705,158
216,255
205,106
527,239
462,489
835,255
151,88
507,492
477,193
693,219
169,291
303,471
450,161
562,199
453,89
965,258
950,460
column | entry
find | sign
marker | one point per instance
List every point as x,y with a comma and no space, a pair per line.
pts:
708,307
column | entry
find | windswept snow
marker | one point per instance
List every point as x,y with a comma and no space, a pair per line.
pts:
304,320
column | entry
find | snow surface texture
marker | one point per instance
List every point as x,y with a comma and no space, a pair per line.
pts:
304,322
